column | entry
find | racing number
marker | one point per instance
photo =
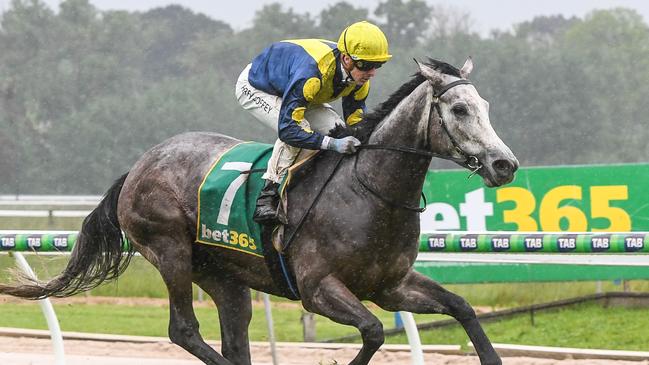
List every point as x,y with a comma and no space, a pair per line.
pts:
231,191
551,213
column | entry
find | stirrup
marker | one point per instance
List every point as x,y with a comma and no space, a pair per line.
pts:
267,207
265,215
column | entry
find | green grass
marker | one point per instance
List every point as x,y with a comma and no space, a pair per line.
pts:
583,326
507,295
142,280
153,320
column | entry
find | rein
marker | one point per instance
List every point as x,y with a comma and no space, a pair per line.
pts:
411,150
470,161
313,203
389,201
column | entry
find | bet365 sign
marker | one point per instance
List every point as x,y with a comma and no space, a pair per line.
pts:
568,198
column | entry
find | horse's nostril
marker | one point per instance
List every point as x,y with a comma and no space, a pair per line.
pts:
503,167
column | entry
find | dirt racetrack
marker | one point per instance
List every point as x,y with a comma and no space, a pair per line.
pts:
34,351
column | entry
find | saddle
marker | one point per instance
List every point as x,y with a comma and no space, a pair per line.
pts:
226,202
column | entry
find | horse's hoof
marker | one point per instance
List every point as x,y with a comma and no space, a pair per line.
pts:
493,362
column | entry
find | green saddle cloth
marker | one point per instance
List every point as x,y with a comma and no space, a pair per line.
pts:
227,197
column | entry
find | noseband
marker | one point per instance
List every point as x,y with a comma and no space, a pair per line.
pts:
470,161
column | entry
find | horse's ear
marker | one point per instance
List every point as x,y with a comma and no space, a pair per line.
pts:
467,68
428,72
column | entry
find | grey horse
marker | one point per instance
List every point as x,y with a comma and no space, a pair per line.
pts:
359,242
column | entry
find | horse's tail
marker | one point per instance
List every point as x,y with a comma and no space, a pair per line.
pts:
97,256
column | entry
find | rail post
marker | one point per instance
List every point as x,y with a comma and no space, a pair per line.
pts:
48,312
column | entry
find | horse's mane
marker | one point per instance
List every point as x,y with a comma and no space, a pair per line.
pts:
364,129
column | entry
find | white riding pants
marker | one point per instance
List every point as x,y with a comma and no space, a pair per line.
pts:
265,108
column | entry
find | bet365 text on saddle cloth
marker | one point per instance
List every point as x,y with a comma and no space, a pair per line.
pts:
227,196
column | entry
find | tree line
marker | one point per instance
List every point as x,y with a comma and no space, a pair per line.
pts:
84,92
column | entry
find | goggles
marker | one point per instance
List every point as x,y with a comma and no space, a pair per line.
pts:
367,65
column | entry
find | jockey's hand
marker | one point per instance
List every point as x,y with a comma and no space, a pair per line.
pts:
343,145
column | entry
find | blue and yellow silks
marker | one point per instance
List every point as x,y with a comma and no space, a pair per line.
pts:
305,72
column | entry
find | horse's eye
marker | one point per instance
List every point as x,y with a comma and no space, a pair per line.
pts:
460,110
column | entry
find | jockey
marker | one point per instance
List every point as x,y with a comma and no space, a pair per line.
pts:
288,86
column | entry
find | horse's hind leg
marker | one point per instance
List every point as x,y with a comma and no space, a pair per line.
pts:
235,312
418,294
172,257
331,298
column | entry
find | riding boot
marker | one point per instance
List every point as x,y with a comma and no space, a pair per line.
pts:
267,203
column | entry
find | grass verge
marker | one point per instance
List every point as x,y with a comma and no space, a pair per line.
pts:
152,320
591,326
142,280
583,326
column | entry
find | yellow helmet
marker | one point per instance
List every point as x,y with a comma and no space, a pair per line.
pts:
364,41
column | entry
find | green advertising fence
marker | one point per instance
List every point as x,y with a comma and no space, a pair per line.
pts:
551,199
535,214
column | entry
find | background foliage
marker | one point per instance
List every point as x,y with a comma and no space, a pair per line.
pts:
83,92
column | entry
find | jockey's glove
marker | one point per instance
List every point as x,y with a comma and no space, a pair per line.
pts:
341,145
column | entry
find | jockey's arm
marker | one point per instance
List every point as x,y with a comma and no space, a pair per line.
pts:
291,130
294,131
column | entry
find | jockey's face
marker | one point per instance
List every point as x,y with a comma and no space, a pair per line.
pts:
360,76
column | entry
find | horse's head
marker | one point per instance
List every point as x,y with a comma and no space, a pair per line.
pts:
464,134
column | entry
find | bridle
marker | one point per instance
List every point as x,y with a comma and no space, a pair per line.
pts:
471,161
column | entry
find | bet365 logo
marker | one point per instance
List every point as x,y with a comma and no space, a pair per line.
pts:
519,209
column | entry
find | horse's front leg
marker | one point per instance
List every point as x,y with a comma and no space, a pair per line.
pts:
418,294
329,297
